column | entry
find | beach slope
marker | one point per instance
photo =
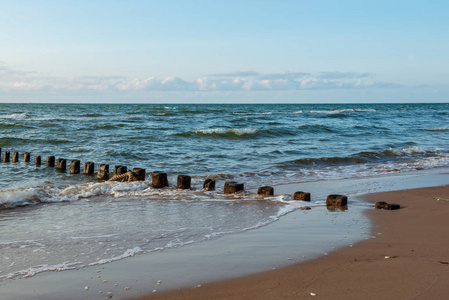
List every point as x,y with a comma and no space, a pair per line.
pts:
407,259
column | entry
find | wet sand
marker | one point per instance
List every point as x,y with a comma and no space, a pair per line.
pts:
408,259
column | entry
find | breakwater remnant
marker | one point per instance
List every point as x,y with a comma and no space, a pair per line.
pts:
61,164
159,179
50,161
15,157
184,182
139,174
302,196
209,185
75,166
103,172
265,191
336,201
387,206
6,156
89,168
232,187
119,170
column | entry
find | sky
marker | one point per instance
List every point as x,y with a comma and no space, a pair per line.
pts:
222,51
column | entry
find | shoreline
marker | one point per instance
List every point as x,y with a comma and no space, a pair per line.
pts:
408,259
281,244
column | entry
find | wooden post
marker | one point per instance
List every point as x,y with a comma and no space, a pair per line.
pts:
37,160
103,172
15,157
75,166
209,184
159,179
303,196
26,157
61,164
265,191
139,174
119,170
184,182
50,161
336,201
232,187
89,168
6,156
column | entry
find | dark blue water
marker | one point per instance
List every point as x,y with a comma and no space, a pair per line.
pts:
255,144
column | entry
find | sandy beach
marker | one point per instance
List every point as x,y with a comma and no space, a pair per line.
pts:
408,259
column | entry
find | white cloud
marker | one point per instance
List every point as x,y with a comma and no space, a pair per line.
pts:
13,80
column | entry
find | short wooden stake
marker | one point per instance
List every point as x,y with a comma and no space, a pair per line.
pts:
6,156
89,168
103,172
303,196
37,160
119,170
184,182
159,179
265,191
26,157
15,157
50,161
209,184
232,187
61,164
336,200
139,174
75,166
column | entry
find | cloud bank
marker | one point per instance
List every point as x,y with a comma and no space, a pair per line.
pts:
13,80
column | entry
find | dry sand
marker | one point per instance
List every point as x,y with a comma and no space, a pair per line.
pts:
408,259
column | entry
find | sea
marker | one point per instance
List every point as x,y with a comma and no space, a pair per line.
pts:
52,220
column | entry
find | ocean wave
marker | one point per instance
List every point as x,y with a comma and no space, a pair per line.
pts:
341,111
436,129
369,156
14,116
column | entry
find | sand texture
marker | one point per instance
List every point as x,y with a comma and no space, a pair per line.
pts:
408,259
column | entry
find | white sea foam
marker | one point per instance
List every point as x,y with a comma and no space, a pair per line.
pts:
236,131
14,116
340,111
436,129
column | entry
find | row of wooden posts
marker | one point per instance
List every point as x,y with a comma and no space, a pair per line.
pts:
159,179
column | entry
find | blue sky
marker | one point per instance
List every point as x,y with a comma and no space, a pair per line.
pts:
224,51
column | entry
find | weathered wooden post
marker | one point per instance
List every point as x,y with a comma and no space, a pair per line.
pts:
103,172
50,161
139,174
159,179
209,184
61,164
232,187
15,157
89,168
301,196
6,156
184,182
265,191
26,157
119,170
75,166
336,201
37,160
387,206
